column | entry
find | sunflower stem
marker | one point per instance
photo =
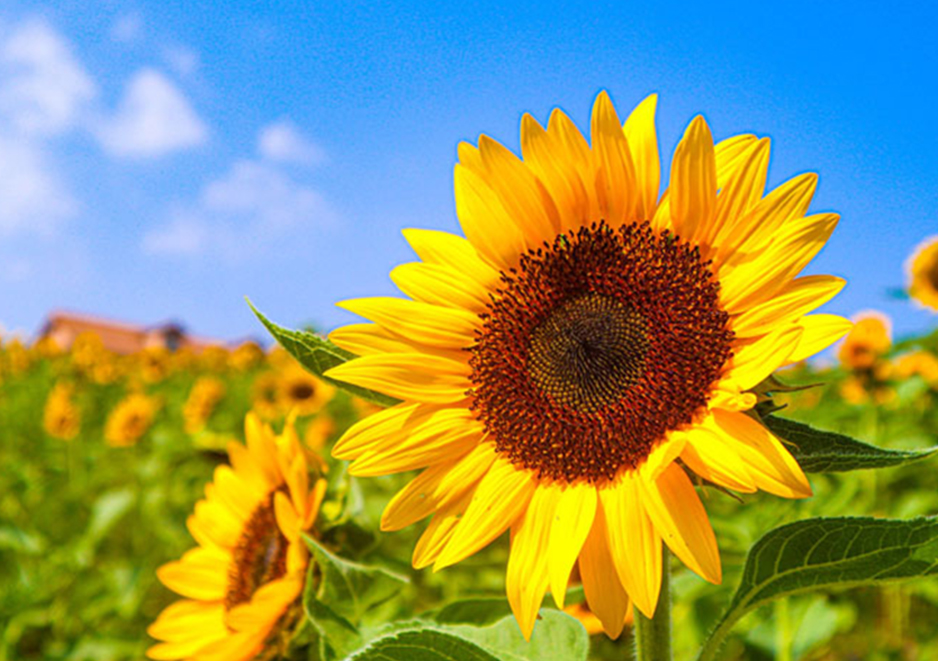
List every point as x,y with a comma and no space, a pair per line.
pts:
653,636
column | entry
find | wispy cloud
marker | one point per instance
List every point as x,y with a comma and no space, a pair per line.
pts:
33,198
251,207
283,142
154,118
127,28
43,88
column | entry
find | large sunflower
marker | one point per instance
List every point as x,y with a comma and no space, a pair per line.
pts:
585,335
250,564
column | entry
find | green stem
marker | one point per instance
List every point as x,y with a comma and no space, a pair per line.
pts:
782,631
653,636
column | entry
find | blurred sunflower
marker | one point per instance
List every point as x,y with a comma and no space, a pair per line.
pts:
214,358
250,564
556,363
47,347
130,420
867,342
265,395
247,356
154,363
300,391
922,268
86,350
61,418
16,357
917,363
205,395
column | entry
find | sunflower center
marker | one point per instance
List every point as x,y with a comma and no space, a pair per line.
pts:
588,351
932,275
301,391
594,348
259,557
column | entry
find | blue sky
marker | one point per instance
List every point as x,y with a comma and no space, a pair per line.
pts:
161,162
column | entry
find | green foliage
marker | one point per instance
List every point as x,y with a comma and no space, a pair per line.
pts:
828,452
835,553
422,645
318,355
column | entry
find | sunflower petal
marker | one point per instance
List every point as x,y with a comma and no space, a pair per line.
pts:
527,575
435,326
485,221
440,285
572,521
819,332
445,249
755,361
409,376
416,500
707,455
682,521
501,497
643,143
796,299
601,585
693,182
615,181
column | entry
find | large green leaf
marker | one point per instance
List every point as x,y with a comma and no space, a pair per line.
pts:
422,645
317,355
837,553
827,452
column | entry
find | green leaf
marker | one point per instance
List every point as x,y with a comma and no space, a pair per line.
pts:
422,645
827,452
349,589
317,355
557,637
479,611
837,553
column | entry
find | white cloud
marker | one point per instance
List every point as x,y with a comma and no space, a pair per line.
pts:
43,88
32,197
284,143
154,118
254,205
127,28
183,60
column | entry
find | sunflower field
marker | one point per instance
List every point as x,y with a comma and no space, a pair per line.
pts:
603,392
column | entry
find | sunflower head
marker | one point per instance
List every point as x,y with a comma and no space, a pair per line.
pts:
205,395
922,268
246,356
586,334
61,417
869,340
249,566
300,391
130,419
918,363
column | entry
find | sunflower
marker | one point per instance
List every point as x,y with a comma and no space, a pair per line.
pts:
205,395
300,391
869,340
247,356
249,566
918,363
922,268
555,364
265,395
130,420
61,417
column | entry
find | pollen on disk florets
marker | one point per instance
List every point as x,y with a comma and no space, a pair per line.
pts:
594,348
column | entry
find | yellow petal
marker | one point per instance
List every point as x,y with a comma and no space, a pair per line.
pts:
755,361
643,144
729,154
417,500
615,180
445,249
549,162
465,474
520,193
287,520
663,454
187,620
572,521
440,285
372,339
601,585
796,299
743,189
634,542
409,376
693,182
502,495
196,577
386,428
771,466
440,531
486,222
445,437
680,518
777,264
527,574
576,153
819,332
707,455
762,223
435,326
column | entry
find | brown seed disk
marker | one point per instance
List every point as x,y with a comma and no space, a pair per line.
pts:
596,347
259,557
